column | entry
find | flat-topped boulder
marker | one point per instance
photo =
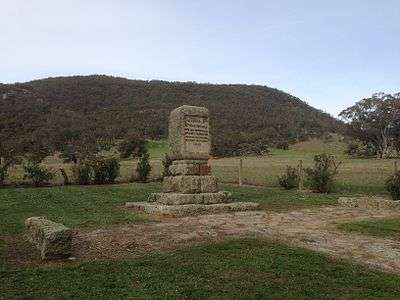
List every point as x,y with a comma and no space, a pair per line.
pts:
373,203
53,240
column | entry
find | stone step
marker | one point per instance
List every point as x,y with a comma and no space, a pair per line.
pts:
180,199
190,209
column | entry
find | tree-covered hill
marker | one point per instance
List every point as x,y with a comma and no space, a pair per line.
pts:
244,118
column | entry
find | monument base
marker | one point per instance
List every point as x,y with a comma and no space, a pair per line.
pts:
180,199
190,209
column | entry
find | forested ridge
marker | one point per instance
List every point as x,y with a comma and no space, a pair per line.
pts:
244,118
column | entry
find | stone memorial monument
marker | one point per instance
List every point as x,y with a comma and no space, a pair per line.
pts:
190,189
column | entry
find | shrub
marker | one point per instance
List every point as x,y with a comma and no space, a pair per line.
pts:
283,145
167,161
105,170
143,168
290,179
393,185
82,173
352,149
38,174
321,177
328,138
359,150
3,175
133,145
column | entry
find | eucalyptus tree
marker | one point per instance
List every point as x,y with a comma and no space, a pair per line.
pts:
375,121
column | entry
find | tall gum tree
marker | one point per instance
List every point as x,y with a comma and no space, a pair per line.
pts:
375,121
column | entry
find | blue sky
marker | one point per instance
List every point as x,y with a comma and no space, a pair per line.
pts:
328,53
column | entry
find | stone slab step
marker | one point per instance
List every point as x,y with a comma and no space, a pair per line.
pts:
190,209
180,199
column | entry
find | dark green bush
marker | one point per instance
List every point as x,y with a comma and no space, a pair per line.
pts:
290,179
3,175
359,150
393,185
321,176
82,173
38,174
133,145
97,170
167,162
143,168
105,170
283,145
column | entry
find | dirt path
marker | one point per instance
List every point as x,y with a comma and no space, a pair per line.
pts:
309,228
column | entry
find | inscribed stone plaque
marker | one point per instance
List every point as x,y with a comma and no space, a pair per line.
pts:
189,133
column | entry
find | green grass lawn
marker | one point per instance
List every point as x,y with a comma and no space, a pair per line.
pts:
244,269
364,176
383,228
99,205
70,205
280,199
247,269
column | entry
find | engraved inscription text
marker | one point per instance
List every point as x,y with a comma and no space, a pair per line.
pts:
196,134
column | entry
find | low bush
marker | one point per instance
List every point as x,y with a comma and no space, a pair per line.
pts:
143,168
358,150
393,185
3,175
105,170
97,170
290,179
82,173
38,174
167,162
321,176
283,145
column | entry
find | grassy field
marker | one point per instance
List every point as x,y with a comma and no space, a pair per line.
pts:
236,269
383,228
100,205
246,269
366,176
356,175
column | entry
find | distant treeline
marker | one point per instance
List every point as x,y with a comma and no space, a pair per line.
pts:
244,118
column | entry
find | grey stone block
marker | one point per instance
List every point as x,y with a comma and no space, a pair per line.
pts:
188,167
373,203
189,133
54,240
190,184
190,209
348,202
180,199
389,204
208,184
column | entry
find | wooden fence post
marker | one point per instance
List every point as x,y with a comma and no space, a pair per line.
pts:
301,180
240,171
